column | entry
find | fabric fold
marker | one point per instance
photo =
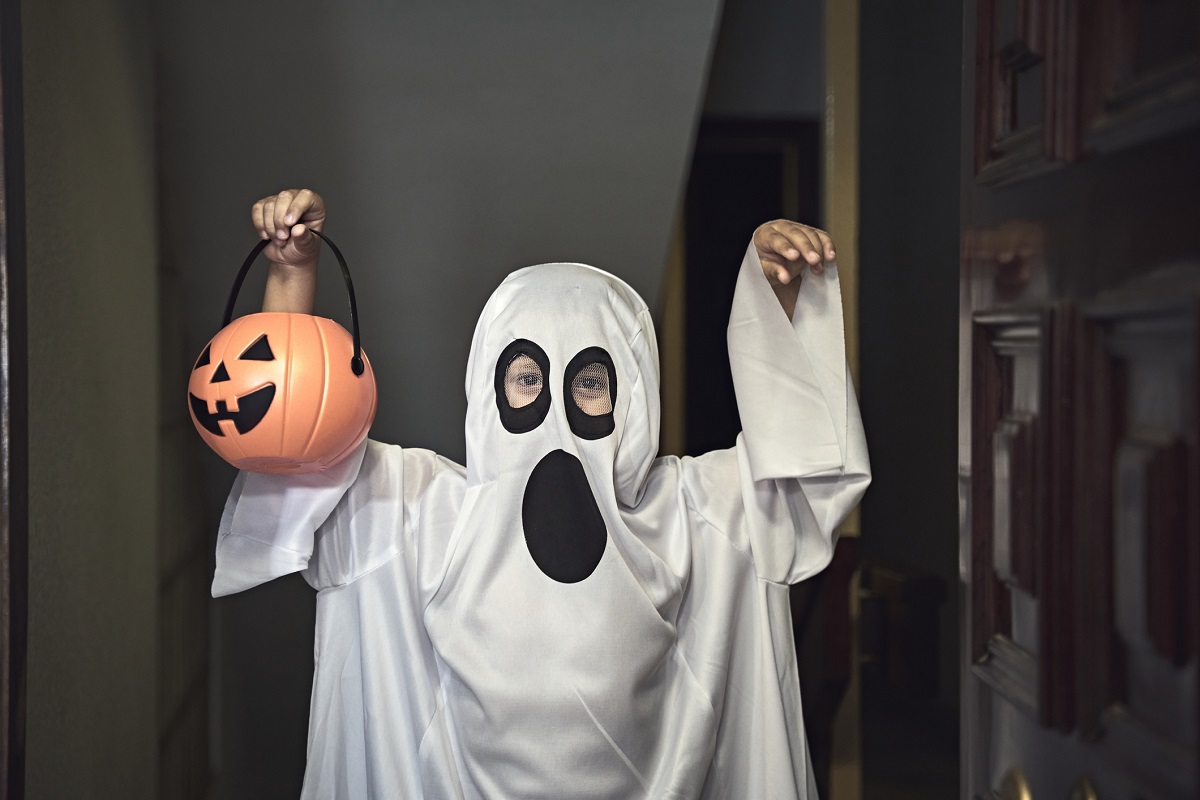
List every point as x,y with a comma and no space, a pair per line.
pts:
269,524
789,379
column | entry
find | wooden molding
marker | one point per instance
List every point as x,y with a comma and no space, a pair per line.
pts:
1138,534
1057,550
14,424
1012,671
1131,97
672,345
1098,382
1101,90
1166,480
1003,507
1065,31
990,605
1014,529
1024,437
1029,58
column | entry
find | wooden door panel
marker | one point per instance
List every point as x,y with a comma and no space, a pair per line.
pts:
1082,572
1018,91
1141,59
1079,412
1149,724
1004,503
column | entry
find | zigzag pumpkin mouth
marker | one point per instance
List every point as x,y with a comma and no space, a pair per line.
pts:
251,410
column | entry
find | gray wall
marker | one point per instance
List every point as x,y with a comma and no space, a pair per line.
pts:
454,143
93,391
769,61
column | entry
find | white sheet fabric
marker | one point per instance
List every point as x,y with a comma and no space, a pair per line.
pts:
448,665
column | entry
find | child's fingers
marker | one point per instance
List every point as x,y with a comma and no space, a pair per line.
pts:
779,272
805,242
301,204
786,248
283,202
304,242
269,219
783,246
826,243
257,218
285,220
293,209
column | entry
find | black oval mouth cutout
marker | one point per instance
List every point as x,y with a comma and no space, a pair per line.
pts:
564,529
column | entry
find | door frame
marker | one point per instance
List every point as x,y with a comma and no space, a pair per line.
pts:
14,420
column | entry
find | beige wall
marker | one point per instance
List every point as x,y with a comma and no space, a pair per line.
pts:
94,387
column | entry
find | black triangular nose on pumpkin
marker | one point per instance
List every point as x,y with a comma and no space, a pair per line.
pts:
564,530
221,374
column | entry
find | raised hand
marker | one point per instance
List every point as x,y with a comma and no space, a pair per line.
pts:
287,220
785,248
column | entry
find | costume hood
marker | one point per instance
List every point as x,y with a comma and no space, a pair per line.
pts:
564,317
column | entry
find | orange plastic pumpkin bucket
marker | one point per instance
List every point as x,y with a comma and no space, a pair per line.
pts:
283,393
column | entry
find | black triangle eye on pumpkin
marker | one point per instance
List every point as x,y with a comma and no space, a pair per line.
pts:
259,351
204,359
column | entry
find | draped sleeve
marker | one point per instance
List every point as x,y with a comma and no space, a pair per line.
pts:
801,460
333,526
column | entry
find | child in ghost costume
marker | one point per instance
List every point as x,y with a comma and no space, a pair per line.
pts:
568,616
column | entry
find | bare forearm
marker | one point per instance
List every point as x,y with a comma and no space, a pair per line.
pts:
291,289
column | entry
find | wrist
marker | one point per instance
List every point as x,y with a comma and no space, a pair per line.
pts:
302,270
788,294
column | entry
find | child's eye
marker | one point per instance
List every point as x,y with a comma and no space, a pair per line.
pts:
522,381
589,390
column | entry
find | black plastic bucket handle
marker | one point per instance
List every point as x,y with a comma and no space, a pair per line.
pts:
356,363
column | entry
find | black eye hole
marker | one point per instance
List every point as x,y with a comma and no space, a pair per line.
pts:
205,358
259,351
590,381
522,396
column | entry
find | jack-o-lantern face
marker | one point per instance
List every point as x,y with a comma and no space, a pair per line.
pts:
252,407
274,392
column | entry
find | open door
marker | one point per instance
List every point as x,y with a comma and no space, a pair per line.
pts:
1079,413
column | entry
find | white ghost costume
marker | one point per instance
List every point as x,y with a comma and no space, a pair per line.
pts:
569,617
